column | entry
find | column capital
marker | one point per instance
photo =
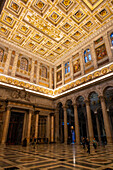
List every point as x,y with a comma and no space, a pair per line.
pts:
74,104
102,98
10,50
87,101
37,111
52,114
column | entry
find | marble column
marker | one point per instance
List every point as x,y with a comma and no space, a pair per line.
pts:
108,48
52,127
55,77
24,126
106,120
6,126
98,128
15,64
7,61
65,125
89,119
29,126
32,71
49,134
71,68
38,70
56,125
50,78
63,73
81,62
93,55
77,131
36,124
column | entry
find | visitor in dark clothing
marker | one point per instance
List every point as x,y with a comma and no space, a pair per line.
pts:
83,143
24,142
88,145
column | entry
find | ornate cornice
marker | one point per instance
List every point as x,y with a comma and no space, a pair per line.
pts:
88,79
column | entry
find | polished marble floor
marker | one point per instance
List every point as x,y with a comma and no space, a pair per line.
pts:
55,157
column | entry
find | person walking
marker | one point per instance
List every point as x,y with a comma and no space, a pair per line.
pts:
94,143
88,145
83,142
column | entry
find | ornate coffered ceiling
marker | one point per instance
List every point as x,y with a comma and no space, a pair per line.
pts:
50,28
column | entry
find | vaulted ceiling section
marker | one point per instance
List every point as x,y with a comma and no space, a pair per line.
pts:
50,28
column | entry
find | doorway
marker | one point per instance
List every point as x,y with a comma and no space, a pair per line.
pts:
15,130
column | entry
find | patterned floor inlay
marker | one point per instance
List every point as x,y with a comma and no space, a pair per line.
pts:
56,157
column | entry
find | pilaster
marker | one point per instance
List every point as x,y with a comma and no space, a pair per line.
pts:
15,64
7,61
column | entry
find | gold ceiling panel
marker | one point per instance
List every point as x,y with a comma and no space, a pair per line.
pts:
51,28
66,5
77,35
104,14
4,31
7,20
79,15
40,6
93,4
14,7
17,38
54,17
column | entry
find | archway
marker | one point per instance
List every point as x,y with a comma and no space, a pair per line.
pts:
82,116
94,104
108,94
61,122
70,121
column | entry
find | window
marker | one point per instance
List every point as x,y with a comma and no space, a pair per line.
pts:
44,72
67,68
1,54
111,37
87,55
24,64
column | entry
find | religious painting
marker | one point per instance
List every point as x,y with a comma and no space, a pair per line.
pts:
76,66
101,52
24,64
59,75
1,54
44,72
99,40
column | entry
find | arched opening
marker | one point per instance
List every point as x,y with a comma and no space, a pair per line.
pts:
94,104
82,116
61,123
108,94
70,121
